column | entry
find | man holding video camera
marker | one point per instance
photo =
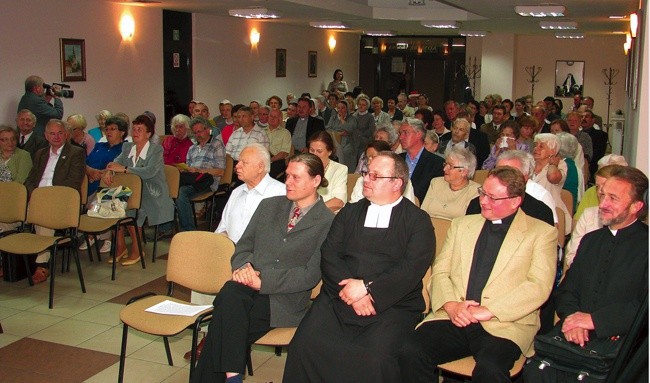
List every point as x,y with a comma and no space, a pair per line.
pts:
37,100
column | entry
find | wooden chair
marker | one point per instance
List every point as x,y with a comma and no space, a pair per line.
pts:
465,366
567,198
279,337
61,216
223,191
13,208
198,260
352,180
93,225
561,227
441,227
480,175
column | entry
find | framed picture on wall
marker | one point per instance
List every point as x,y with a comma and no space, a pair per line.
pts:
73,59
569,78
312,64
280,63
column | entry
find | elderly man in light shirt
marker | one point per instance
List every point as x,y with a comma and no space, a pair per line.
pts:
253,169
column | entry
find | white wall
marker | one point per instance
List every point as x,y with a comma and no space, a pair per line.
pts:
497,59
121,76
225,65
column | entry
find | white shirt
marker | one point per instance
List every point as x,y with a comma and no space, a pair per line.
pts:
378,216
142,155
242,204
27,136
48,173
539,192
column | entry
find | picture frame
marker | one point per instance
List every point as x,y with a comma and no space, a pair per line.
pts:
312,64
569,78
73,59
280,62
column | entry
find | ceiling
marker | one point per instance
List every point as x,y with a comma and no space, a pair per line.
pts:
495,16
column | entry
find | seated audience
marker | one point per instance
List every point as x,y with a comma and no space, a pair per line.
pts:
16,163
509,139
28,141
77,125
58,164
206,157
343,125
381,117
460,129
279,142
335,194
227,130
438,125
374,148
492,275
390,134
578,158
527,129
393,112
568,147
274,270
431,141
423,166
145,160
99,131
590,198
175,147
551,171
604,289
493,128
449,196
302,125
247,133
373,262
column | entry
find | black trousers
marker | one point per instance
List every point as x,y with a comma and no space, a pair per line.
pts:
439,342
241,316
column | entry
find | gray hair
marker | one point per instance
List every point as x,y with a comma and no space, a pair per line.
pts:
392,134
199,120
103,113
28,112
550,140
6,128
32,81
466,159
362,97
416,124
180,119
262,153
526,161
433,136
568,144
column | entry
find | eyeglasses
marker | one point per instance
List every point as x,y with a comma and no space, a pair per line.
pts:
452,166
373,176
482,193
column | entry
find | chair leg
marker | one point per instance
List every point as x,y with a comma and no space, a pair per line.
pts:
29,272
125,333
211,213
249,360
278,350
194,214
113,251
168,351
81,277
155,243
52,275
195,338
137,236
99,257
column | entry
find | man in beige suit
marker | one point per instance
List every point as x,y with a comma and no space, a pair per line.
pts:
488,282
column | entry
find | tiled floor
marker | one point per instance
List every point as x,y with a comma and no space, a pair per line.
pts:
89,325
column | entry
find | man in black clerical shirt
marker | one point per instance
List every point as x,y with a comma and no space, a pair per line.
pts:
493,273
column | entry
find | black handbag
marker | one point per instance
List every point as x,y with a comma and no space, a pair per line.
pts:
200,181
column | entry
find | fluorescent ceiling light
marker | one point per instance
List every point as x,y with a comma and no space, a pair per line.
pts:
564,35
380,33
558,25
253,13
616,17
540,10
473,33
328,24
441,24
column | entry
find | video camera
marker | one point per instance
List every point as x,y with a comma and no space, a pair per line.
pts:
65,91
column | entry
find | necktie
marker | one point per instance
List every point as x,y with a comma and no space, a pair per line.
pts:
22,140
294,218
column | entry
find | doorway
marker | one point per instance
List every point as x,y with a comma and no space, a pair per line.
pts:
177,62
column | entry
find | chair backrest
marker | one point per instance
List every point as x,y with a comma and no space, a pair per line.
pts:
561,226
228,172
134,182
567,198
200,260
173,178
14,202
416,201
480,175
352,180
54,207
83,191
441,227
426,282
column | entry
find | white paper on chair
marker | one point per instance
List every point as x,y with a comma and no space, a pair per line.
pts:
173,308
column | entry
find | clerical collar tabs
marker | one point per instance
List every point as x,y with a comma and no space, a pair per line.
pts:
497,222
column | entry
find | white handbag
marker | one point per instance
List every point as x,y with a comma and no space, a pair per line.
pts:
113,208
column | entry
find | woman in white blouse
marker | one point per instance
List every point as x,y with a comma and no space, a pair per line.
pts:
335,195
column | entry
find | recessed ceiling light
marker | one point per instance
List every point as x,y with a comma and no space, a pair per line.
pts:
441,24
540,10
558,25
473,33
564,35
328,24
253,13
380,33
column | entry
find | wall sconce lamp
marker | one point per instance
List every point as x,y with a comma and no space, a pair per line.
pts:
332,43
634,24
127,27
255,37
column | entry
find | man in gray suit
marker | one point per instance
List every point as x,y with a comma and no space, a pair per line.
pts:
275,266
